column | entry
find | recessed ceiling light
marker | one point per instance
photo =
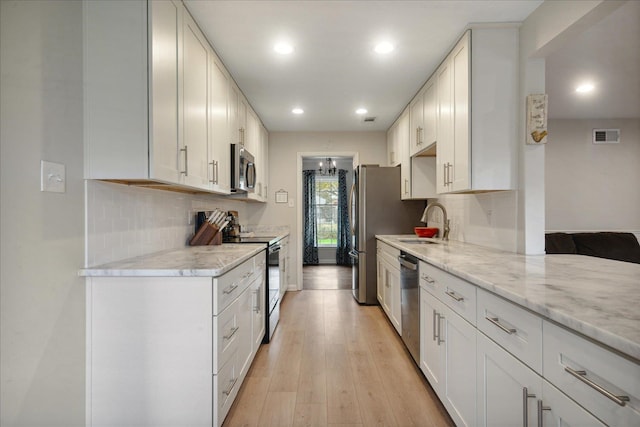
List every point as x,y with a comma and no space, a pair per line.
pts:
584,88
361,111
297,111
283,48
384,47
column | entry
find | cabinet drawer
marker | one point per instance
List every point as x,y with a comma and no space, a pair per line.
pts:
225,388
514,328
226,330
231,284
388,253
458,294
579,368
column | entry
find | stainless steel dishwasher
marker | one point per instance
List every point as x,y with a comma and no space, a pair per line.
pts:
410,303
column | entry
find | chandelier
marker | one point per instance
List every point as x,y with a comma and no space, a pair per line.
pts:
328,168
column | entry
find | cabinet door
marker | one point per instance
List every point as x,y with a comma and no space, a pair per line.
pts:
503,382
459,175
430,355
245,335
558,410
219,147
165,90
416,126
405,157
235,132
195,105
445,127
429,111
386,293
258,312
459,348
380,276
264,162
395,303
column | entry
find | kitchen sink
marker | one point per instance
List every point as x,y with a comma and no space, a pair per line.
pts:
419,241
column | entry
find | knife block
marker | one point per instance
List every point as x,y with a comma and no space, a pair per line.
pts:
207,234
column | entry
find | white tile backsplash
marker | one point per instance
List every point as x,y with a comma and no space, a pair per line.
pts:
485,219
125,221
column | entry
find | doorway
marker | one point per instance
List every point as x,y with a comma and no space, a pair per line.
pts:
326,180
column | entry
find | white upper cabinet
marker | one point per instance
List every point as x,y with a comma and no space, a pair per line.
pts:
160,109
429,113
219,141
477,112
393,147
416,119
195,57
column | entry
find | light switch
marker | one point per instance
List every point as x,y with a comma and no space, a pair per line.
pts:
52,177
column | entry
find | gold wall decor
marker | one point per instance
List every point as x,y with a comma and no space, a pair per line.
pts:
537,119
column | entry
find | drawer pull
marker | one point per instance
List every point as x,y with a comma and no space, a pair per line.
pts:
231,333
582,376
230,289
455,296
496,322
428,279
232,384
525,406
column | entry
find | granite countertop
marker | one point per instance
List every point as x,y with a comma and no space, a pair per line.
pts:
208,261
596,297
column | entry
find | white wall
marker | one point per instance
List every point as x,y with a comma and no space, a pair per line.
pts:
42,342
592,186
284,149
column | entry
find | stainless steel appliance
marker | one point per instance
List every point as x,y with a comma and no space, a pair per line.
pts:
243,169
272,279
410,304
376,208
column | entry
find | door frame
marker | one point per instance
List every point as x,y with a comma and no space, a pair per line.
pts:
299,220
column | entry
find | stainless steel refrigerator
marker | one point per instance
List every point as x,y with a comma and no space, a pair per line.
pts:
376,208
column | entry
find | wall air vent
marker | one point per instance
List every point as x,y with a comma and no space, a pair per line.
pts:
606,136
369,119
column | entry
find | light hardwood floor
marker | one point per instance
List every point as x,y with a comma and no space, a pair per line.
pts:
326,277
333,362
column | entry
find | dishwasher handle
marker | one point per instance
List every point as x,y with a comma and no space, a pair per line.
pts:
406,263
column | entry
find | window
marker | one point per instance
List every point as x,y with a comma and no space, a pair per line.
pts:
327,210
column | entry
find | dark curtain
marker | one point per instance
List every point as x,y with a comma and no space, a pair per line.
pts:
310,238
344,235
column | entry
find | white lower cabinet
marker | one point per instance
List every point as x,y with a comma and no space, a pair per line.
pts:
389,292
507,389
447,357
171,350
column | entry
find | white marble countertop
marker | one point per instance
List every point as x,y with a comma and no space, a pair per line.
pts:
209,261
599,298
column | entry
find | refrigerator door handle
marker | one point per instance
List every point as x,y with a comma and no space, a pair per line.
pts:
352,218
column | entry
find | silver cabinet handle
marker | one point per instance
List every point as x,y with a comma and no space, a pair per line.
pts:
232,384
428,279
525,406
440,340
213,172
256,307
230,289
418,135
455,296
582,376
406,183
444,174
496,322
231,333
420,141
435,335
185,172
541,408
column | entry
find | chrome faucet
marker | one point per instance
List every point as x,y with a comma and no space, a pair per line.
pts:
446,229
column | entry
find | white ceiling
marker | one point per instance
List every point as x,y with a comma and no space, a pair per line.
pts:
334,70
608,54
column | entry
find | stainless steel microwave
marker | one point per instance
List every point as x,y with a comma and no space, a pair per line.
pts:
243,170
